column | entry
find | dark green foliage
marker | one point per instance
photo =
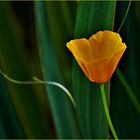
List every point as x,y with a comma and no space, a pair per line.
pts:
125,116
33,37
91,17
10,124
59,102
13,64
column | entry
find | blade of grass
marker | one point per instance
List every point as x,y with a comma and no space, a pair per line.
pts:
11,122
61,107
92,16
129,90
63,12
24,12
125,117
12,63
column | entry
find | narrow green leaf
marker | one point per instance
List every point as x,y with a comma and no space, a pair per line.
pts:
61,31
10,121
13,64
124,114
61,107
92,16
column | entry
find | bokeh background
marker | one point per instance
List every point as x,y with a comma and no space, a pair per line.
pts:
33,37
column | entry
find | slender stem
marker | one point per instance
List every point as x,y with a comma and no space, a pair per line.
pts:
37,81
107,112
125,16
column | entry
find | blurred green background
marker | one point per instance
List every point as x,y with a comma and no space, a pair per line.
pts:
33,37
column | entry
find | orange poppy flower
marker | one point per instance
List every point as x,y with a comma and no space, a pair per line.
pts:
99,55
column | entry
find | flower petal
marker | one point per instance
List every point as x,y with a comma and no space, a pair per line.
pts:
87,69
104,44
81,49
104,68
98,57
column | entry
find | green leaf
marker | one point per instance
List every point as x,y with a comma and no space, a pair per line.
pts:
10,122
92,16
13,64
124,114
61,107
61,20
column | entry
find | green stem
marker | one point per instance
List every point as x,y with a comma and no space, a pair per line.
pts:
37,81
107,112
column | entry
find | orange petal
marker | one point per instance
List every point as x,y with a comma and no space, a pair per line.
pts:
87,69
104,68
81,49
104,43
98,57
101,70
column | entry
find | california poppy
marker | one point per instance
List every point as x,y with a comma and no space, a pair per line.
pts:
99,55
